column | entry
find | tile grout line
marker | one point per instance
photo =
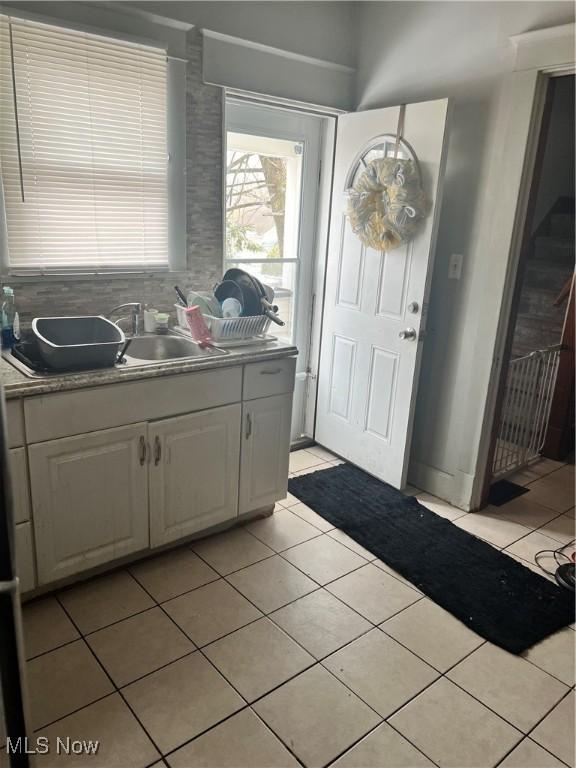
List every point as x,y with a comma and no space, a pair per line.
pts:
114,686
319,662
527,738
320,586
311,666
440,676
287,746
316,662
533,728
268,615
234,688
248,704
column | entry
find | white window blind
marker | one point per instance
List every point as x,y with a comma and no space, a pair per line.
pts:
83,154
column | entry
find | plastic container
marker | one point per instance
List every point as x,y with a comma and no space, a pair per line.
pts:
9,319
150,320
162,319
77,343
223,328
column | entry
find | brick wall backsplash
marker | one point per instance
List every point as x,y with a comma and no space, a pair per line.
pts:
204,222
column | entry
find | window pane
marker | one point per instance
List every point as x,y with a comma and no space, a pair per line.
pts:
263,178
282,278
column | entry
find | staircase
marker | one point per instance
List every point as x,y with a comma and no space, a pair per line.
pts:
549,265
533,367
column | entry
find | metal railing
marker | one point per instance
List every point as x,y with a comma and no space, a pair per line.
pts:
526,409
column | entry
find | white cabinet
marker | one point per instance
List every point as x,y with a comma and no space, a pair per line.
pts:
193,472
90,491
265,451
90,499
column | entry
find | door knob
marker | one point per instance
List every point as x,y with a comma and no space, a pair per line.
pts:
408,334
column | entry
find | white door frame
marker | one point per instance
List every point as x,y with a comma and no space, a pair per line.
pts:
319,275
540,55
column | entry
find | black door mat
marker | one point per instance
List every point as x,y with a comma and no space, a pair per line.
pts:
490,592
503,491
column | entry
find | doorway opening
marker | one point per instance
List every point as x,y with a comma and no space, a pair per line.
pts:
535,410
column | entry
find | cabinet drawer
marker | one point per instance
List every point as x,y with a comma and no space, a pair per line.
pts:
15,423
86,410
275,377
19,476
25,557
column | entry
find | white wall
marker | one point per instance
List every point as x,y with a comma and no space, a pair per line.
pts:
323,30
414,51
301,51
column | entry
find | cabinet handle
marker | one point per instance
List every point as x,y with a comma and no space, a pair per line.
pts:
142,451
248,425
271,373
157,450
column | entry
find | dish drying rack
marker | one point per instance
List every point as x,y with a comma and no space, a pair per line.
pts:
237,330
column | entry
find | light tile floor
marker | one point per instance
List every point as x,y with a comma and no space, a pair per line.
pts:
284,643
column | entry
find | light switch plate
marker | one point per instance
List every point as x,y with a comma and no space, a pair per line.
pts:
455,266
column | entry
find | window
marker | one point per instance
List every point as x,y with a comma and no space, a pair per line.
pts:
83,154
263,182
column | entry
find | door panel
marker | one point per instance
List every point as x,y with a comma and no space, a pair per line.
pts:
392,281
193,472
265,452
89,499
382,386
342,376
350,271
368,373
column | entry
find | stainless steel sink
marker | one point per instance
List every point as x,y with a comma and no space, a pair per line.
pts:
144,350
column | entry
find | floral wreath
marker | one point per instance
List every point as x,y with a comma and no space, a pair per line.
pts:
386,203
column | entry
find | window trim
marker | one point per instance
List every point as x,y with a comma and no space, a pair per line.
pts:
176,178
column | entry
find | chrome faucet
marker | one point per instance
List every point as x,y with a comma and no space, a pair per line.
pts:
135,309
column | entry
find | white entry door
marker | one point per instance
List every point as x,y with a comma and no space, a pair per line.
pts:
375,302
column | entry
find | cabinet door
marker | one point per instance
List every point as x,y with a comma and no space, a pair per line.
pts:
193,472
265,451
89,499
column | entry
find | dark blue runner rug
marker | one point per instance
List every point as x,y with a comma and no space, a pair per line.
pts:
490,592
